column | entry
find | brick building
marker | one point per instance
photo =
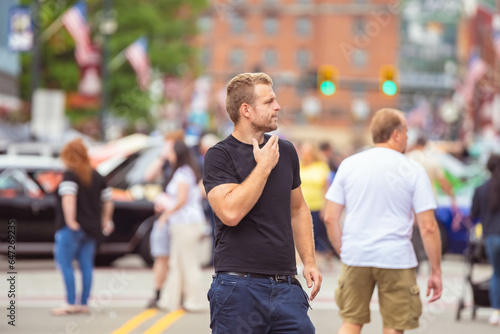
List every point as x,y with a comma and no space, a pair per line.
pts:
290,39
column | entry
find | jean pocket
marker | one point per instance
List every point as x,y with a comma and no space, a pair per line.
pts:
224,291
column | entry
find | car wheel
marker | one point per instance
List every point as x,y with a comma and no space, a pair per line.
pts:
144,249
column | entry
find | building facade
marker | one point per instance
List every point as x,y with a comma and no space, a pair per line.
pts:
291,39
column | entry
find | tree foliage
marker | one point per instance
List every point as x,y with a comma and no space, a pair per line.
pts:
169,26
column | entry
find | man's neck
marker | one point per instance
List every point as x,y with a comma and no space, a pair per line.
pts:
388,145
245,136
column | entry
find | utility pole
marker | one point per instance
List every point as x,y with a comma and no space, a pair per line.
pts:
35,61
107,27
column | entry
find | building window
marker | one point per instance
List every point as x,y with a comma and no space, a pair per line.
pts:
303,26
359,58
358,26
237,24
270,57
236,57
270,26
303,58
205,24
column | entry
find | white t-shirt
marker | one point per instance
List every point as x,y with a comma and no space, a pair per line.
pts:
380,189
192,211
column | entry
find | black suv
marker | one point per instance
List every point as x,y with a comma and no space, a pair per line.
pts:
27,196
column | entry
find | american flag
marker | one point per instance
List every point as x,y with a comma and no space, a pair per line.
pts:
75,21
136,53
475,71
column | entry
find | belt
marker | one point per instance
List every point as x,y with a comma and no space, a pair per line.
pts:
277,278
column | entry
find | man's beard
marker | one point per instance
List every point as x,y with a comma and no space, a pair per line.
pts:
263,128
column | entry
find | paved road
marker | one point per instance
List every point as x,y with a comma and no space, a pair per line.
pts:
120,293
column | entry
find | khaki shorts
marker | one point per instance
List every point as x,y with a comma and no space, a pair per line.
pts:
398,293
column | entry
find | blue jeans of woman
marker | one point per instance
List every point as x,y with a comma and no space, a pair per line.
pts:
492,244
71,245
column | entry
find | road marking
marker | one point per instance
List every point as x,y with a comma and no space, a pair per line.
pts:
136,321
165,322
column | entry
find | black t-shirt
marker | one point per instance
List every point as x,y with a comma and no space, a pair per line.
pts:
481,210
88,203
262,242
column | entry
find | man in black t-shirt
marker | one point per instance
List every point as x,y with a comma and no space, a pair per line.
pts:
253,185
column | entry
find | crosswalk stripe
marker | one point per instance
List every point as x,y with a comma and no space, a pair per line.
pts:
165,322
136,321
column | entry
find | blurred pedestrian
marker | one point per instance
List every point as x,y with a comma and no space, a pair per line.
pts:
486,208
421,154
85,213
160,248
435,172
327,151
252,182
314,176
380,189
186,223
161,168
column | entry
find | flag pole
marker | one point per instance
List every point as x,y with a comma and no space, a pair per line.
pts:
116,62
52,29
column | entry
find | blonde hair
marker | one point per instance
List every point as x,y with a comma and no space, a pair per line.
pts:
75,156
241,90
383,124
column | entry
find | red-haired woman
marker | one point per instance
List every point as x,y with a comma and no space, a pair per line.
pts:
86,211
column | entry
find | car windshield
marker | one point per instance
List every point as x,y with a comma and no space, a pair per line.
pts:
15,182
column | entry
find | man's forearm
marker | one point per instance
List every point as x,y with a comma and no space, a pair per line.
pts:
432,245
239,200
303,236
333,212
334,232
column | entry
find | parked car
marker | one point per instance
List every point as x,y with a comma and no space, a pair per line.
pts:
27,195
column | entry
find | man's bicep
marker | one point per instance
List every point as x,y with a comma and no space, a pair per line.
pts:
217,195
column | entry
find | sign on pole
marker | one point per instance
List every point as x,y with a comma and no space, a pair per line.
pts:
20,30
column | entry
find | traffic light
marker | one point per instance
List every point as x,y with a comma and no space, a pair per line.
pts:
388,80
328,80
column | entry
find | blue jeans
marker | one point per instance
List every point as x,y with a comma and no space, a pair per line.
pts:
321,242
71,245
243,305
492,244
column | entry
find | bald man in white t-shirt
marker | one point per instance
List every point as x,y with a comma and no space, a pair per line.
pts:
381,191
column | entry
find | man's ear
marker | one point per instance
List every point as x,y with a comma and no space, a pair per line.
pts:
395,134
245,110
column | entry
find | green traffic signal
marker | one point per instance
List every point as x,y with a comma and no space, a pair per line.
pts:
389,88
327,88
